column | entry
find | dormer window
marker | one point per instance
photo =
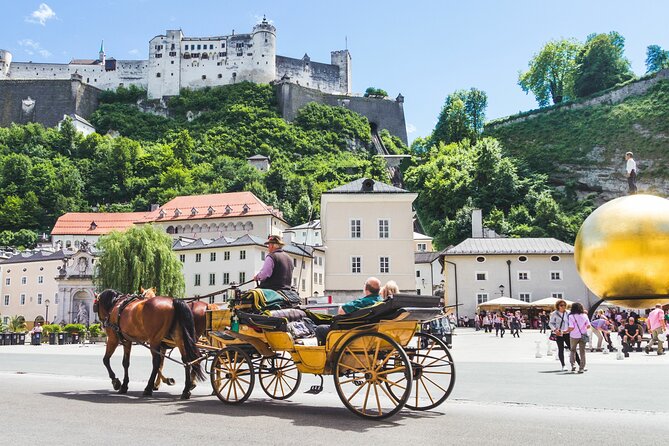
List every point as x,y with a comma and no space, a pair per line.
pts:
228,209
177,212
245,208
161,214
210,210
93,226
193,211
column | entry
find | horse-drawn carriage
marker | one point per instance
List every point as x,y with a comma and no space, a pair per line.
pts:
379,360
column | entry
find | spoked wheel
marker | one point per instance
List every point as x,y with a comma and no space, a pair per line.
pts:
279,377
232,375
366,367
433,372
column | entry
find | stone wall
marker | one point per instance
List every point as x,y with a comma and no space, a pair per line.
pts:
383,113
52,99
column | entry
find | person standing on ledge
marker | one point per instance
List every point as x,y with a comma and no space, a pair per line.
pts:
631,173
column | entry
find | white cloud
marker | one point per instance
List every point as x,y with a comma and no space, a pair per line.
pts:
31,47
41,15
134,51
411,128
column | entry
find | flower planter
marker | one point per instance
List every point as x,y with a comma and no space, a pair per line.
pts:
61,338
53,339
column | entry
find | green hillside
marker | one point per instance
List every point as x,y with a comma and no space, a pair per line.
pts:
576,145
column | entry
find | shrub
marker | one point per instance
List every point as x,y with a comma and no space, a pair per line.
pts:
95,330
74,328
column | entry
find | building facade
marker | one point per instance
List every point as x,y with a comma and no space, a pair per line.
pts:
177,61
367,230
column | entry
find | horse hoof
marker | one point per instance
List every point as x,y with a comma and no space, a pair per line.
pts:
192,386
185,396
123,390
147,392
155,388
116,383
170,381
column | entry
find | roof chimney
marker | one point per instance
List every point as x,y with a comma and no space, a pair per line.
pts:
477,223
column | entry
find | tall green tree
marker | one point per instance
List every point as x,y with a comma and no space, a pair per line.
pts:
461,117
475,104
550,74
656,59
139,257
601,64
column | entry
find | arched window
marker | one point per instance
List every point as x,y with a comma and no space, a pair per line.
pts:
170,230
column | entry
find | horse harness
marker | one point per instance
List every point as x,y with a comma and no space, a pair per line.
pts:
116,327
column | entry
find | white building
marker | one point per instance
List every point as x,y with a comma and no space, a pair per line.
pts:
212,265
367,229
429,275
528,269
176,62
306,234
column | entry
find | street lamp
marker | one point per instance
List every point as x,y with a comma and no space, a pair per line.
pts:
46,303
501,290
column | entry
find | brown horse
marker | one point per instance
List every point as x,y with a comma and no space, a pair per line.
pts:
130,319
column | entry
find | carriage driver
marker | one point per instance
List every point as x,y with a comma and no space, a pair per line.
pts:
277,271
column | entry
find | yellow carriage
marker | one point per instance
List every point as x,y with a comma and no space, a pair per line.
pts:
379,359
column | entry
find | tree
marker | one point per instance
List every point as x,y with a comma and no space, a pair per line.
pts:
17,324
551,72
601,64
656,59
475,104
375,92
461,117
139,257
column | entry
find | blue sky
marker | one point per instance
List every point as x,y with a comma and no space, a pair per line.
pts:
422,49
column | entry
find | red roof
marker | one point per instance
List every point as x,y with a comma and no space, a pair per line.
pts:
207,207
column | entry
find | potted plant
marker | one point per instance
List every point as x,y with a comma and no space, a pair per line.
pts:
74,331
96,333
51,331
17,325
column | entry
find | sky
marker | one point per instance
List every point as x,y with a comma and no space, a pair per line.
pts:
424,50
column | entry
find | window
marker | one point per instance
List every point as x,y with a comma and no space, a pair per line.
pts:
6,299
199,47
212,256
480,259
198,257
56,299
304,284
242,277
524,297
212,279
555,258
384,265
356,230
481,275
294,263
39,298
384,229
8,281
157,74
242,255
556,275
315,277
356,263
481,298
182,258
159,55
173,53
226,255
226,278
204,76
417,273
320,261
40,279
320,278
522,259
422,247
294,281
418,291
523,275
557,295
197,280
22,300
24,280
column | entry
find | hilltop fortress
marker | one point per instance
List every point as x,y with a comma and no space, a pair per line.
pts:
46,92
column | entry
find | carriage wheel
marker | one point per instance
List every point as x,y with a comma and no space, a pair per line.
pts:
433,372
279,376
232,375
366,366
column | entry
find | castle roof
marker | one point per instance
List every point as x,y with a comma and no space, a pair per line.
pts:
97,223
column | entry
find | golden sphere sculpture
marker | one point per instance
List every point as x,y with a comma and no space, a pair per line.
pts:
622,251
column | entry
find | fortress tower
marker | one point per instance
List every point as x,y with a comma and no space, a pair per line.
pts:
342,59
263,60
5,63
164,73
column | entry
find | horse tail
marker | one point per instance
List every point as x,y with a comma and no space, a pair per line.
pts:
184,316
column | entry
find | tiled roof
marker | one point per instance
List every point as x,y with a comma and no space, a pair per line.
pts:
356,187
511,246
34,257
426,257
81,223
313,224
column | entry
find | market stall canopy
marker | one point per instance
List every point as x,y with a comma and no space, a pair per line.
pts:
548,303
503,302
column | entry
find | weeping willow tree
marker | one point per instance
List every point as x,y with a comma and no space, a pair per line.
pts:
139,257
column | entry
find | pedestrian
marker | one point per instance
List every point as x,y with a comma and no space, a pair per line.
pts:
487,322
559,323
656,326
601,329
631,334
578,335
631,173
515,324
543,321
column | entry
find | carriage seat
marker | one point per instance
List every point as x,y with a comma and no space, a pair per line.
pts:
291,320
410,306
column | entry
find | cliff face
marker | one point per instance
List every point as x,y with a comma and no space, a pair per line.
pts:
583,145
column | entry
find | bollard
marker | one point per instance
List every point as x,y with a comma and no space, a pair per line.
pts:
549,347
538,353
619,346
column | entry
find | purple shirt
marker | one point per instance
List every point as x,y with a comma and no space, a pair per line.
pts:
600,324
266,270
579,323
